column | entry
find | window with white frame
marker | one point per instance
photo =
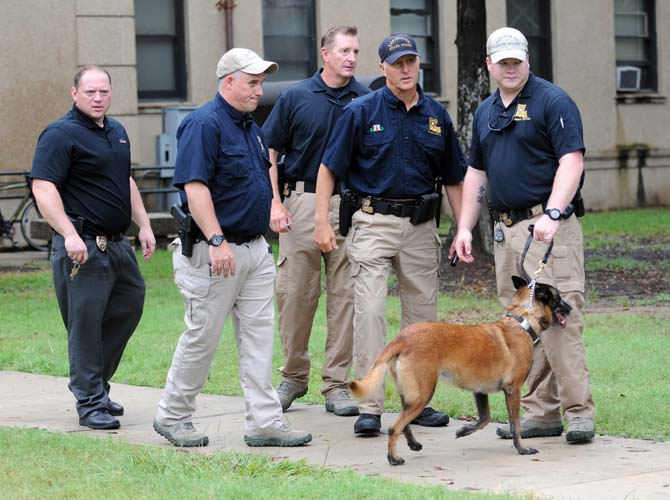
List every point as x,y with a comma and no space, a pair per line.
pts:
289,37
159,40
419,18
635,35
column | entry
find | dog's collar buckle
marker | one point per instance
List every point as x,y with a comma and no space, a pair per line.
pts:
523,322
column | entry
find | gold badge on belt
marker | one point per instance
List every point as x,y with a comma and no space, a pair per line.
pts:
366,206
101,242
507,220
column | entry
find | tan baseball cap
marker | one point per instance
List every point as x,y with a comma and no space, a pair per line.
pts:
243,60
506,43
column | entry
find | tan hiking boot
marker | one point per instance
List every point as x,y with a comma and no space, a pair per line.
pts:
580,430
289,392
282,436
182,434
341,404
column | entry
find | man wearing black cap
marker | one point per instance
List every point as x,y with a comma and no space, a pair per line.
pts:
395,148
222,171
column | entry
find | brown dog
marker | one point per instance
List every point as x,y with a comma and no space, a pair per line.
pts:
481,358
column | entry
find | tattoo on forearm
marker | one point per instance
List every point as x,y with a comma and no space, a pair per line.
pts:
481,193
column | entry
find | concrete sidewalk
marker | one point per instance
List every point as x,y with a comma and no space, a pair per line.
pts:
608,468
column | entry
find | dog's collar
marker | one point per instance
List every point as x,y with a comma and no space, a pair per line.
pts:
525,325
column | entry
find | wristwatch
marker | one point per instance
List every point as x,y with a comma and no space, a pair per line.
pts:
553,213
216,240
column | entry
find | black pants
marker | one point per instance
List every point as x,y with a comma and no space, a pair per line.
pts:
100,306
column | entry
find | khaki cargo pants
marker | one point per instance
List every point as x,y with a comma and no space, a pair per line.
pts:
559,376
375,244
298,292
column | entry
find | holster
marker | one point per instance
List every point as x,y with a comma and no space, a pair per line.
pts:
348,205
188,229
427,207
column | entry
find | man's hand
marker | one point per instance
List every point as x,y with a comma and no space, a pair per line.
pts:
545,229
222,260
324,237
463,246
76,248
147,242
280,218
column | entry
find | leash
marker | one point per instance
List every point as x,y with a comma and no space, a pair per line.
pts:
540,270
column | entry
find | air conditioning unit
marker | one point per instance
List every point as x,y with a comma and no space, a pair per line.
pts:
627,78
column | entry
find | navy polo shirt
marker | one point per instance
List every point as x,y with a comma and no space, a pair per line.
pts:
224,149
382,149
301,121
90,166
519,146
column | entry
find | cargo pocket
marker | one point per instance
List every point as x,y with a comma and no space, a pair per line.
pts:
562,269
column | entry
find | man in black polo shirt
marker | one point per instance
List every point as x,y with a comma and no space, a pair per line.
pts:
528,154
82,184
299,126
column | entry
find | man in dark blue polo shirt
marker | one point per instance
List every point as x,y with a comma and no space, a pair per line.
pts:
222,169
528,152
394,148
299,126
82,184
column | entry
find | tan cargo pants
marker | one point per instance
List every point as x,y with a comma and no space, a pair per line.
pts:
298,291
559,375
375,244
208,300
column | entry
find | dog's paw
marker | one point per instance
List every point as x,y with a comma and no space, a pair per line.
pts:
528,451
415,446
466,430
395,461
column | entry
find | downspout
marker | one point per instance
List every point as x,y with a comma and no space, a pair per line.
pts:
227,6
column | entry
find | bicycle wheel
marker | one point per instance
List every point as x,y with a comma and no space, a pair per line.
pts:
29,214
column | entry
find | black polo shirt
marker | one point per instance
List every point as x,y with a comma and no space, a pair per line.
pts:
90,166
382,149
519,146
224,149
301,122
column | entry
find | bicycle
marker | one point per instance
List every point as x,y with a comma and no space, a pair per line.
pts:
25,213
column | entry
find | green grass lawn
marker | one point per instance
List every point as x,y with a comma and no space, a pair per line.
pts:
627,357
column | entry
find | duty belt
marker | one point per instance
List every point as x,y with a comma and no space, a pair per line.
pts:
510,217
386,206
101,240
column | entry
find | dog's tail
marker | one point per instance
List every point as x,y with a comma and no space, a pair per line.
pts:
362,388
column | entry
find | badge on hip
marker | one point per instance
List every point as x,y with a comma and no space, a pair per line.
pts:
101,243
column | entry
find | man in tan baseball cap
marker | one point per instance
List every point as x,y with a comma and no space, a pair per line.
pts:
244,60
222,172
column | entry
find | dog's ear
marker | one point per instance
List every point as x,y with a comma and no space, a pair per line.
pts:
545,293
519,282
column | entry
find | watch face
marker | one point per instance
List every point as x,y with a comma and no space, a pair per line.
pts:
554,213
216,240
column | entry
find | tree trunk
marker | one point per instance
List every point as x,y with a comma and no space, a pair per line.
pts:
473,88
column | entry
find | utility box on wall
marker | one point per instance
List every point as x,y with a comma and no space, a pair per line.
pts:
166,144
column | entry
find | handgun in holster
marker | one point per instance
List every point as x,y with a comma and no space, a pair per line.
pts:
348,205
427,207
188,229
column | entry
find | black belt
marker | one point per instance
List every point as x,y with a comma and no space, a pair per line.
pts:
238,239
116,237
387,206
307,187
510,216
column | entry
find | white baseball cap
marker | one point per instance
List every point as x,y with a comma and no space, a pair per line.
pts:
506,43
243,60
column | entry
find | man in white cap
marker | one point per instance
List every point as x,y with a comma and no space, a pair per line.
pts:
222,171
527,154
